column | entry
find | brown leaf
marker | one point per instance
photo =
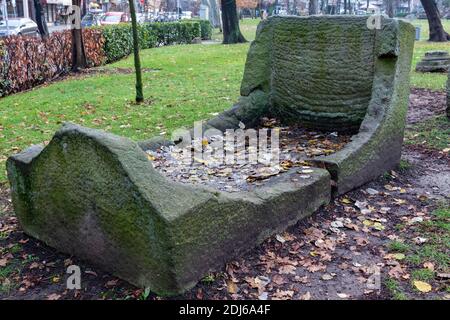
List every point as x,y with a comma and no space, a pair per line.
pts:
232,287
3,262
278,279
53,296
306,296
287,269
111,283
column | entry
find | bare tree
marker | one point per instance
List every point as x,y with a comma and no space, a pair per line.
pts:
78,54
137,60
313,7
437,32
40,18
230,23
389,8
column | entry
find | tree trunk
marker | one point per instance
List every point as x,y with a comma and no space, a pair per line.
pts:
390,8
230,22
78,54
437,32
137,61
40,19
313,7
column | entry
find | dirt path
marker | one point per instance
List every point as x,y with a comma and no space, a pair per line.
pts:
376,242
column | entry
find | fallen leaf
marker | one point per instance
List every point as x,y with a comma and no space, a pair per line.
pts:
371,191
232,287
92,273
327,276
280,238
263,296
3,262
306,296
422,286
278,279
398,256
53,296
346,201
429,265
287,269
111,283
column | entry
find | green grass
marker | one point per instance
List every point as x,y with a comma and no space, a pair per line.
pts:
248,29
404,166
427,80
432,133
190,83
434,81
422,274
437,248
398,246
395,289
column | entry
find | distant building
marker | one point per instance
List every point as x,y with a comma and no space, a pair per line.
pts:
53,9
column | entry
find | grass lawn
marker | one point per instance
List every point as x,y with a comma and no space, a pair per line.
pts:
189,83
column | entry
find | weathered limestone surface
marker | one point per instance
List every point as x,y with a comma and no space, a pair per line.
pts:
334,73
97,196
434,61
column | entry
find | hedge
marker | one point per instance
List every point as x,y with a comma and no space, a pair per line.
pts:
27,61
119,41
206,29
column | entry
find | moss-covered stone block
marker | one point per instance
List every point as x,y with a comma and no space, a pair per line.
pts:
96,195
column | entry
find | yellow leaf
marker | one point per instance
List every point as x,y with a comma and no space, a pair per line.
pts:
422,286
232,287
378,226
399,256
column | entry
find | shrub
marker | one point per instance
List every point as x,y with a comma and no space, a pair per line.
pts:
206,29
94,42
28,61
118,41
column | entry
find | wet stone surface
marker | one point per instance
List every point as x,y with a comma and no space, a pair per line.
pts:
297,145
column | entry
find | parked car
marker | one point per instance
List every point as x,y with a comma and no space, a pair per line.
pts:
114,18
421,15
91,19
18,26
186,15
162,17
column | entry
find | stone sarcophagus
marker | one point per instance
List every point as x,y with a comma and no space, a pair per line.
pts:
97,195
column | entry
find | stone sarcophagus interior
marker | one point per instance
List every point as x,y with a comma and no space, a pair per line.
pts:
97,196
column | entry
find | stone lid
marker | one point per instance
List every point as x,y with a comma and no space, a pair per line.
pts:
436,53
